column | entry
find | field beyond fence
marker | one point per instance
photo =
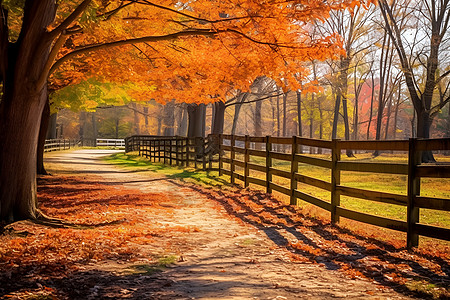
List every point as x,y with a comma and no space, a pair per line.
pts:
316,171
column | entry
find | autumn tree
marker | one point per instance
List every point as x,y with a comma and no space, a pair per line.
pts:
352,25
421,55
51,33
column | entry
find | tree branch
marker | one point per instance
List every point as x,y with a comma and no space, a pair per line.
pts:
172,36
256,100
72,17
96,47
201,20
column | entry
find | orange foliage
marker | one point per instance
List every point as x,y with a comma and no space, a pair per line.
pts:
110,226
245,39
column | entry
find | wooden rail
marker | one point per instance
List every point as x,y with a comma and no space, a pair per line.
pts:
239,154
58,144
176,150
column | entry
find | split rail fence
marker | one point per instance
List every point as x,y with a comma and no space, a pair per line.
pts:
242,154
175,150
58,144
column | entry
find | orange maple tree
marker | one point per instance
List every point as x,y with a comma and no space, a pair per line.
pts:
52,33
214,47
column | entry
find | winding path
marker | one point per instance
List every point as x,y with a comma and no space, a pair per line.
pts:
227,258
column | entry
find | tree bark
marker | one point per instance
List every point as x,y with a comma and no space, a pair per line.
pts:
372,98
237,110
40,169
82,128
257,119
319,106
196,113
182,128
345,63
382,93
336,116
219,118
21,108
94,127
168,121
51,131
299,112
137,128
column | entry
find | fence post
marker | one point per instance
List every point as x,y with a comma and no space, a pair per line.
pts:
268,164
186,140
158,150
412,217
220,155
139,148
212,139
203,153
170,150
294,170
165,151
335,180
232,157
246,160
177,151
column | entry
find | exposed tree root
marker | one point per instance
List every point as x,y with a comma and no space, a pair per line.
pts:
44,220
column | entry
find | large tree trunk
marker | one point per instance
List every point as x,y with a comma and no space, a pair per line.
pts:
18,154
51,131
257,119
169,119
21,109
237,109
423,131
182,126
219,118
40,169
146,119
196,113
82,128
196,127
136,125
94,127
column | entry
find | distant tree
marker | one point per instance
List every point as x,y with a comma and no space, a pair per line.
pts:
421,55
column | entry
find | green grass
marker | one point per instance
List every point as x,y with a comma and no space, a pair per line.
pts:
396,184
134,161
149,269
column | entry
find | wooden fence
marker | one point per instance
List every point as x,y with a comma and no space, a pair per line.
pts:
58,144
250,150
176,150
119,143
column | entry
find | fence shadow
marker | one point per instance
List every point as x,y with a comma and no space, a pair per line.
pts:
334,247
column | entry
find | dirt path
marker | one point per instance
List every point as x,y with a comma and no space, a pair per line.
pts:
224,259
